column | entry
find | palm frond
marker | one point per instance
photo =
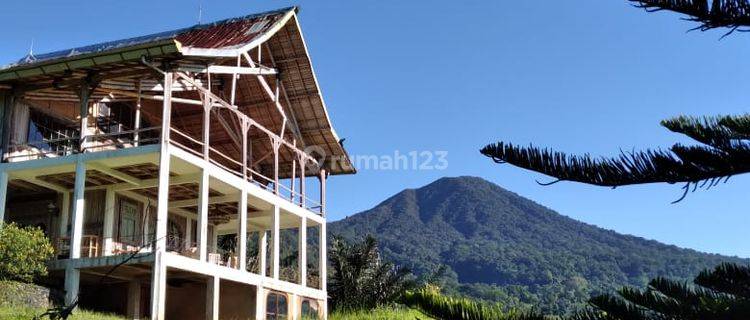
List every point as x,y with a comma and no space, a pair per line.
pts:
730,278
732,14
617,308
709,130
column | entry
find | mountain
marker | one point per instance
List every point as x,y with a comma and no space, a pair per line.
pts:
486,242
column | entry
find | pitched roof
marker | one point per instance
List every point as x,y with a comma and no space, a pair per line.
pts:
228,33
206,44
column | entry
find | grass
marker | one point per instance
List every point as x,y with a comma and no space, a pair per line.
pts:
390,313
16,313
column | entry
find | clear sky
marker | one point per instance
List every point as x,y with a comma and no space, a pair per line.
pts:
580,76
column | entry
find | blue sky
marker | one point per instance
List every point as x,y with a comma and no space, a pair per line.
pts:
580,76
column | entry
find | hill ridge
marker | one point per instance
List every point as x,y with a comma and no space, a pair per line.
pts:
498,245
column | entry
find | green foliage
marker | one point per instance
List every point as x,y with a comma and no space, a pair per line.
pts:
720,293
430,301
724,151
23,253
496,246
361,279
380,313
17,313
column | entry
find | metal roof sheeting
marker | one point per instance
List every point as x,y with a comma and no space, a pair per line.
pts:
220,34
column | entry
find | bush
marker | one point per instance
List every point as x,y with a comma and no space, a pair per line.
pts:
24,252
430,301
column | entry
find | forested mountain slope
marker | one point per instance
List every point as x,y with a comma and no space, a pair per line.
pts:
497,245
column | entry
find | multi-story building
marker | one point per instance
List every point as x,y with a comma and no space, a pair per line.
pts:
179,175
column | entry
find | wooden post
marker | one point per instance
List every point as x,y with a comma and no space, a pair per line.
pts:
242,236
137,121
78,210
206,126
245,131
323,192
212,298
302,195
84,114
275,241
302,244
3,195
203,216
109,221
276,145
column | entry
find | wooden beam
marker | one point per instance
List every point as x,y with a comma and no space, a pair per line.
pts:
241,70
211,200
114,173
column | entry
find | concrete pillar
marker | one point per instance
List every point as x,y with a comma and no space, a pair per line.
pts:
188,232
212,298
302,245
134,300
242,238
262,251
323,258
275,241
64,214
78,210
3,194
72,280
203,216
164,160
109,221
159,275
260,303
158,287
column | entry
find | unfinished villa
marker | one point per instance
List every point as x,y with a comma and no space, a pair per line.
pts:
179,175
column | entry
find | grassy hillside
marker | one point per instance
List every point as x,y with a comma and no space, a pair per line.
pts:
380,314
498,246
19,313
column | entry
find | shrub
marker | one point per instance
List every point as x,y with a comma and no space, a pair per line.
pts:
24,252
430,301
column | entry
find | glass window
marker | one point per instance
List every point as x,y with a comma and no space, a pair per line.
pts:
276,306
128,221
309,310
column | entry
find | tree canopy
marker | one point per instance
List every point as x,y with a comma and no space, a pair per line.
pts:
723,151
732,14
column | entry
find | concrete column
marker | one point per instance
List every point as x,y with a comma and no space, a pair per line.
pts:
158,287
275,241
262,251
242,238
164,160
3,194
109,221
64,214
212,298
203,216
188,232
159,275
323,257
72,280
302,259
260,303
78,210
134,300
